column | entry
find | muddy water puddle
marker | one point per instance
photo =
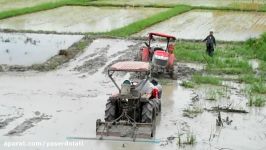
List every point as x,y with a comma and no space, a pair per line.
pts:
227,26
27,49
89,19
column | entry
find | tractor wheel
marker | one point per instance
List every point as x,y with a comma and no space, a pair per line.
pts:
147,112
110,111
148,115
173,75
157,103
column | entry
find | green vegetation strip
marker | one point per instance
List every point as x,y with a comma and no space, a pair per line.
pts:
206,79
41,7
142,24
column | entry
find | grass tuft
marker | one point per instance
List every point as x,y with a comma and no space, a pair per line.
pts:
187,84
257,101
257,46
200,79
258,87
186,139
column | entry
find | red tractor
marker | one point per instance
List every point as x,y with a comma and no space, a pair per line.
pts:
131,112
162,58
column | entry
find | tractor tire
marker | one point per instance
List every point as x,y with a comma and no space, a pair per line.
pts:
147,114
157,103
110,111
173,75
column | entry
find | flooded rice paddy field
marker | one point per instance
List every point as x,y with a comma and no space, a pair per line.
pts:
28,49
227,25
78,19
66,102
52,100
16,4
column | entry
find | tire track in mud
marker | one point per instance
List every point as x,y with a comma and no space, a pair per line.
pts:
100,59
6,119
91,66
27,124
127,55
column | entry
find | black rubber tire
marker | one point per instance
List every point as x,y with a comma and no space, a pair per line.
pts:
147,112
157,103
173,75
110,111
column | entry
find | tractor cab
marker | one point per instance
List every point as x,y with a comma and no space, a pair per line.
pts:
167,46
161,57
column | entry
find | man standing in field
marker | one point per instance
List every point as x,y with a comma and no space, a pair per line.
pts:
210,42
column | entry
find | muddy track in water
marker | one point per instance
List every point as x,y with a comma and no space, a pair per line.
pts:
27,124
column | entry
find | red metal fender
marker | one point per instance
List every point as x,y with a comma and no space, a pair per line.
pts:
145,54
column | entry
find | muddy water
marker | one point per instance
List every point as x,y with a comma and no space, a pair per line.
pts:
227,26
73,99
28,49
15,4
89,19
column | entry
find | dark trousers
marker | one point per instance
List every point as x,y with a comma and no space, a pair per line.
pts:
210,50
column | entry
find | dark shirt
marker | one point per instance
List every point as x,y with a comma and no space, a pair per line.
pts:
210,40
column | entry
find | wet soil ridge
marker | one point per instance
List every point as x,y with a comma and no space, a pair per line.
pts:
98,60
7,121
127,55
53,62
183,71
27,124
226,109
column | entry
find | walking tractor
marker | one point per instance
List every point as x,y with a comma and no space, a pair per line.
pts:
131,112
162,59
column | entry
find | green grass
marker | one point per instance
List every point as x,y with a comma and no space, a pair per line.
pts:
258,87
207,79
188,84
257,101
257,47
192,112
235,7
142,24
228,65
250,78
262,66
214,94
186,139
189,51
40,7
